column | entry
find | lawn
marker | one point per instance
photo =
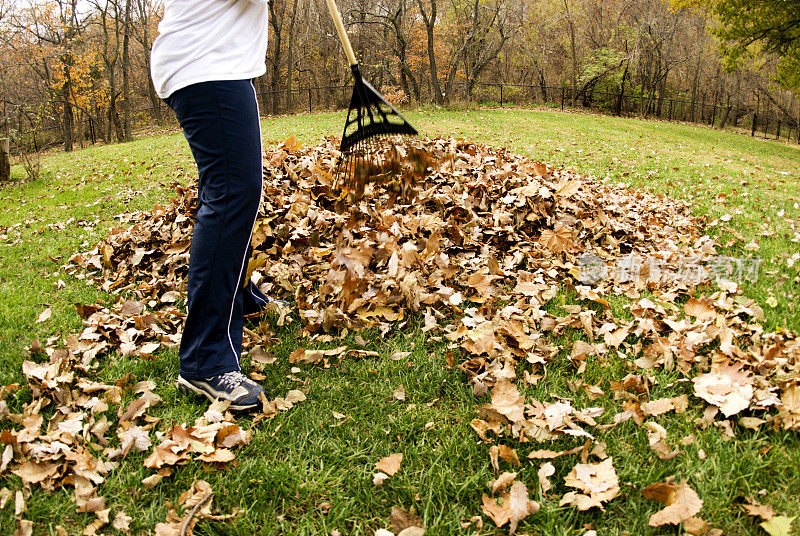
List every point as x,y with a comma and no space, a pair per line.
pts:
310,470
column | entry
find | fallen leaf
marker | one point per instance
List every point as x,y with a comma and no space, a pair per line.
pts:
25,528
33,472
597,481
379,478
685,503
546,470
390,464
507,401
401,519
44,315
503,481
515,506
761,510
122,522
778,526
724,392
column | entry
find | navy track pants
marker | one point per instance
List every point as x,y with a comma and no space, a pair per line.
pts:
221,123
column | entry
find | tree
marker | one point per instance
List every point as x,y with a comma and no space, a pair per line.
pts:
748,28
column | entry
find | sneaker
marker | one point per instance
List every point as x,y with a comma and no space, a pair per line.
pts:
241,391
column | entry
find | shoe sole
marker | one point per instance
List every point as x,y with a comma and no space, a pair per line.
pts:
188,388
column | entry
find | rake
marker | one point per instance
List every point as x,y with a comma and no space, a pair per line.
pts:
369,118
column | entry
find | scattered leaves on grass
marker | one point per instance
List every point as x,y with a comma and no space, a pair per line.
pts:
475,240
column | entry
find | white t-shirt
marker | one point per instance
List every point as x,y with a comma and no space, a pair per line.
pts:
204,40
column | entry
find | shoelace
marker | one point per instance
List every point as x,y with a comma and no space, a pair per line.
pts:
232,379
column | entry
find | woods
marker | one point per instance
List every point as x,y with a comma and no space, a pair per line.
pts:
74,72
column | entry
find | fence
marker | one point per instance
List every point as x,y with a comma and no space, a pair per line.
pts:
756,121
747,118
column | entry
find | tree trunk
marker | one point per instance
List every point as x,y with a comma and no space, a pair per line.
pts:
430,25
68,117
622,90
275,75
573,52
5,160
126,61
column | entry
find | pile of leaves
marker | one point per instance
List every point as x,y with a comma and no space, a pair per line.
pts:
474,243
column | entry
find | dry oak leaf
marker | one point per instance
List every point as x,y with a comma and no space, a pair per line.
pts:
122,522
557,240
503,481
597,481
390,464
401,520
515,507
44,315
764,511
722,391
682,504
507,401
32,472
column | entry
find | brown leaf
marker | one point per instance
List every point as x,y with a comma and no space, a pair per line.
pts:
508,454
551,454
662,492
515,507
764,511
219,456
685,503
557,240
122,522
658,407
503,481
699,309
33,473
390,464
44,315
724,392
546,470
507,401
25,528
401,520
597,481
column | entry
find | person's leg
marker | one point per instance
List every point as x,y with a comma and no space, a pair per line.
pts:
255,301
220,121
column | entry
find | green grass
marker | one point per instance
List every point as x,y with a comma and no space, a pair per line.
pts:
303,458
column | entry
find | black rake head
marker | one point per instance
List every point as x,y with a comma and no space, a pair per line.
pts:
369,119
370,115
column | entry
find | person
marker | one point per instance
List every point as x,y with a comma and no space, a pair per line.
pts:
202,64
